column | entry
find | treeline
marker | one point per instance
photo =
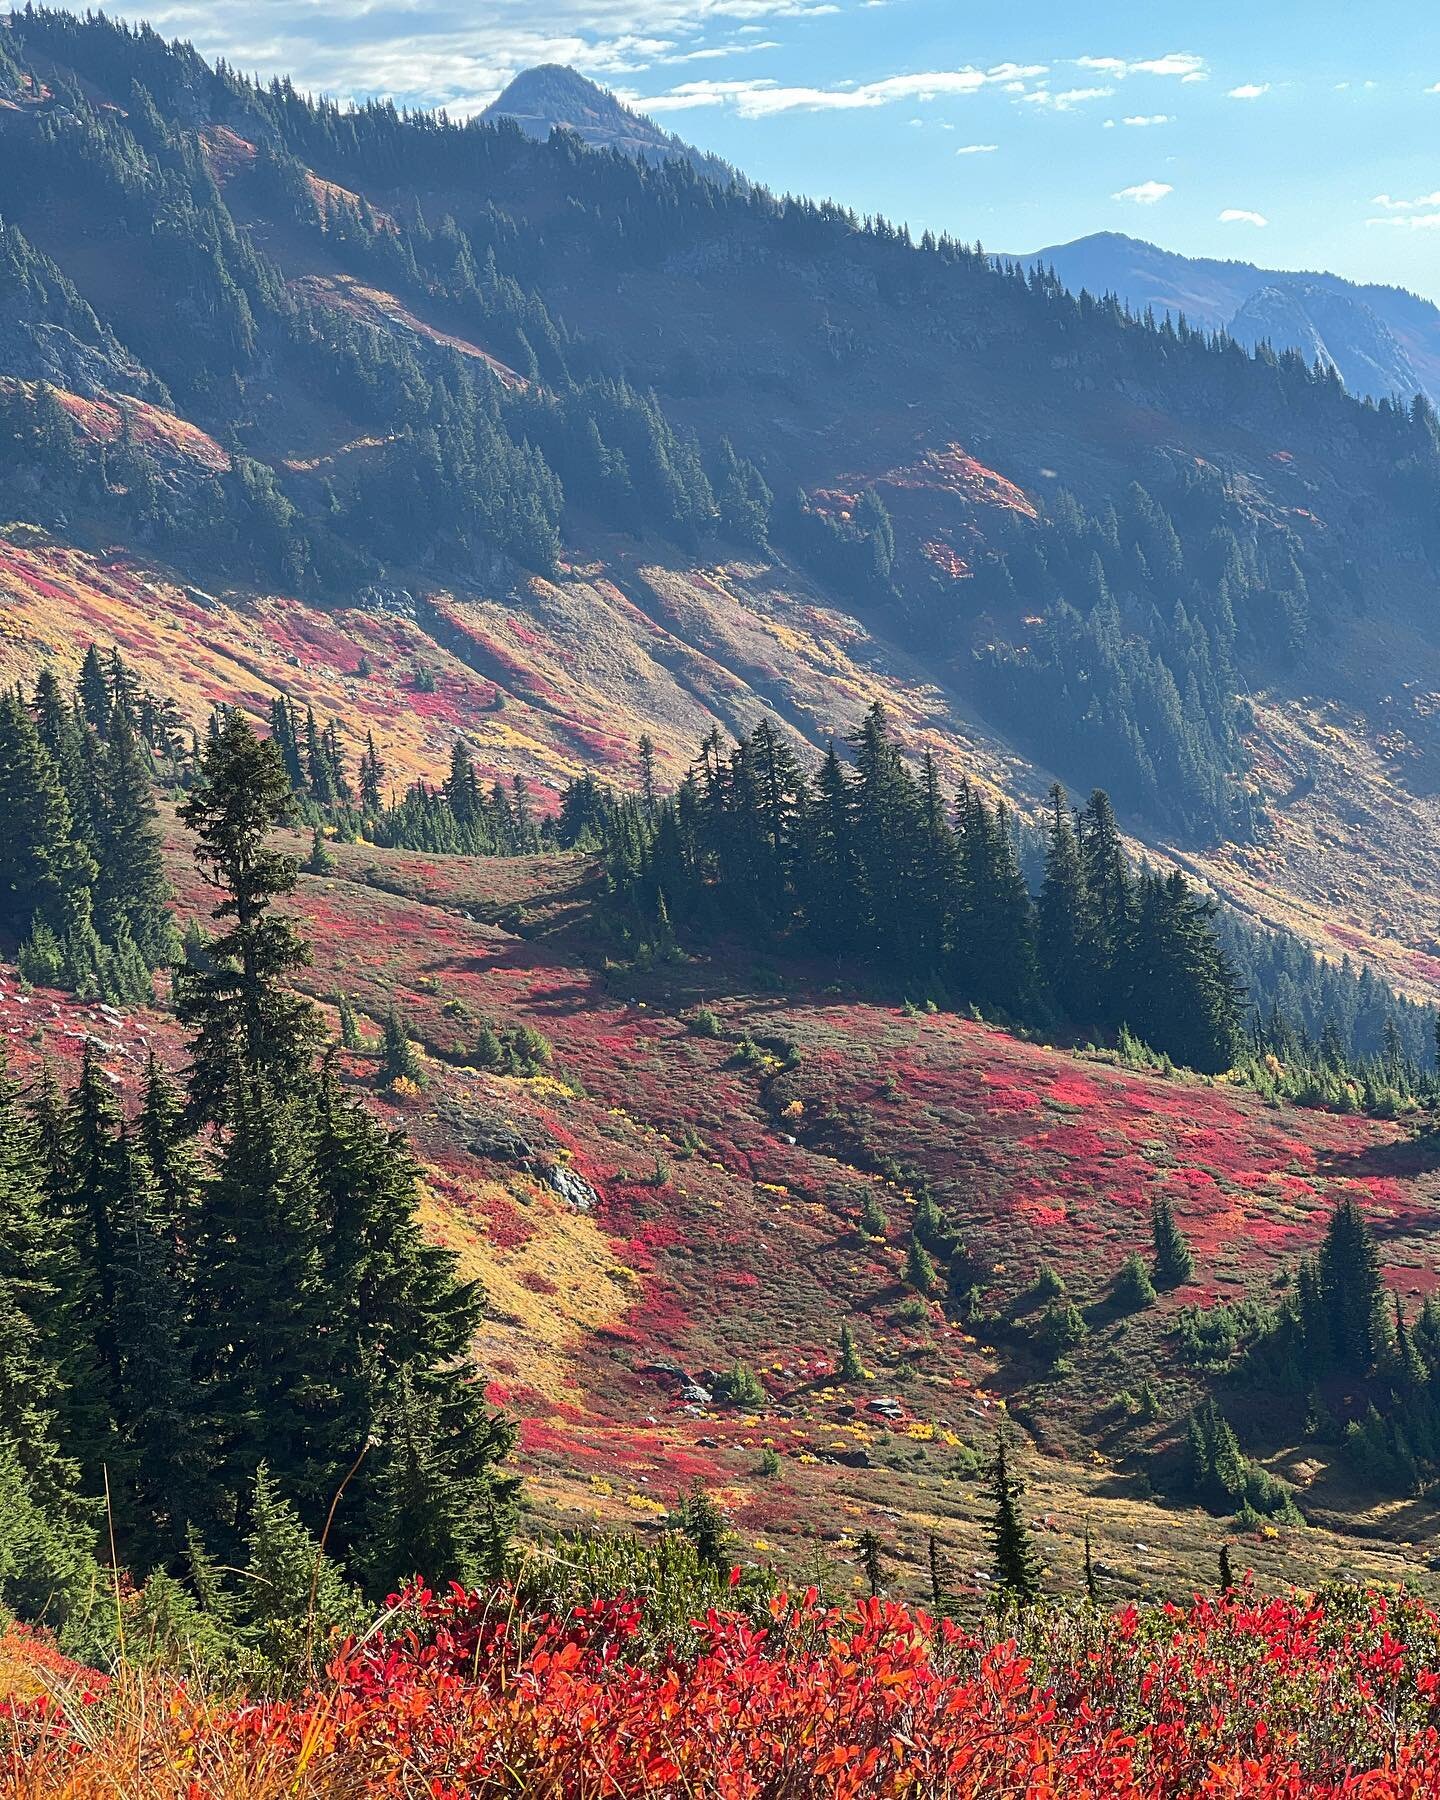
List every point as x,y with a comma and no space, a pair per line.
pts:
874,863
83,894
219,1315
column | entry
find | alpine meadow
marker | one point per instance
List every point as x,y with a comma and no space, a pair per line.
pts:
719,919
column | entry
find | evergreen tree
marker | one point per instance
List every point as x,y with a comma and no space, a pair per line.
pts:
293,1596
870,1554
1173,1265
848,1367
1017,1568
1351,1290
1067,931
247,1025
155,1481
132,893
702,1521
399,1059
34,1268
1132,1287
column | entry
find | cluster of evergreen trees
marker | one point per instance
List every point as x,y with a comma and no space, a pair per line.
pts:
82,885
223,1305
1340,1332
1155,610
874,863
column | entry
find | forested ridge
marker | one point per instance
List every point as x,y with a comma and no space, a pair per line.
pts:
1114,636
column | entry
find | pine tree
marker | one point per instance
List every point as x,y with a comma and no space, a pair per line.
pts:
1017,1568
1173,1265
1092,1587
1227,1578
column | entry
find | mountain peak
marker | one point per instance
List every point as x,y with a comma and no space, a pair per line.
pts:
553,94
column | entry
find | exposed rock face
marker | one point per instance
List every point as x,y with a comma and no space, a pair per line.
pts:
1381,340
1337,330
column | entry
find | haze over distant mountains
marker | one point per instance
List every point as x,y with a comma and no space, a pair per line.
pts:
1381,340
539,99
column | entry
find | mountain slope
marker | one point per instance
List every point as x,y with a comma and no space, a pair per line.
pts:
551,97
1381,340
419,336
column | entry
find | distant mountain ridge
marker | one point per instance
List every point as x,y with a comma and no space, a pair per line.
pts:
551,95
1381,340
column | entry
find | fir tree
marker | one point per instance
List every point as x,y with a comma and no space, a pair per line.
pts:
702,1521
1017,1568
1132,1287
247,1025
1173,1264
132,893
848,1367
870,1561
399,1059
1352,1292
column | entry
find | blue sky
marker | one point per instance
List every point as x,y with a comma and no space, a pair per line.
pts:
1297,135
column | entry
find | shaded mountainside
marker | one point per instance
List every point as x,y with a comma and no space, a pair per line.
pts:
1381,340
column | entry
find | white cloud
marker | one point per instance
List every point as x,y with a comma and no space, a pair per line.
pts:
1238,215
1147,119
1434,90
1177,63
1252,90
765,97
977,149
1145,193
1410,221
458,58
717,51
1416,205
1067,98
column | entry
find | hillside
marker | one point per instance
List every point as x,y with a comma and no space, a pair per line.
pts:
507,488
837,361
